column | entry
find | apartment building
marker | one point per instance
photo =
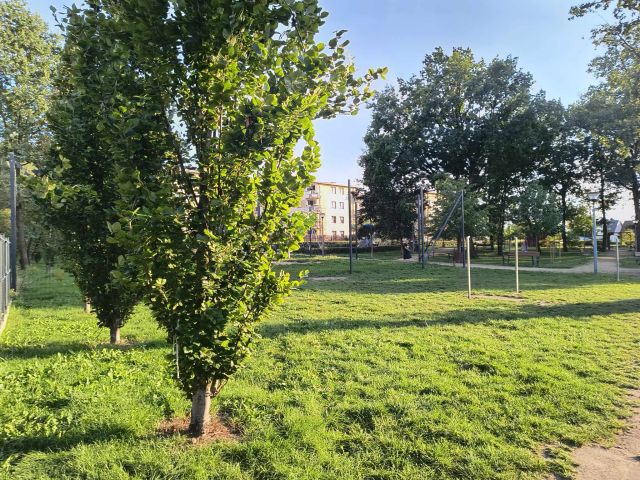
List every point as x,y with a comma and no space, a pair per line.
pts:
330,203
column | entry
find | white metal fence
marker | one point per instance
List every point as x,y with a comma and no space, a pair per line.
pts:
5,273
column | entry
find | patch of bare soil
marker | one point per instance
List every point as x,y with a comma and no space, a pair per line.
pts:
324,279
499,297
220,429
619,462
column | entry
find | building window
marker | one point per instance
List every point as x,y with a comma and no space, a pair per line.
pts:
333,219
333,190
310,203
334,235
342,205
341,219
333,204
342,233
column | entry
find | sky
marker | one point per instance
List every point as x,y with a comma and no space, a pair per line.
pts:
399,33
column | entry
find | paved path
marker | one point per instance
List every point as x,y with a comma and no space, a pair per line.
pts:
605,265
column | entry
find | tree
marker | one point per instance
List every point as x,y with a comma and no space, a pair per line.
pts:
619,67
78,180
471,119
230,90
561,169
388,171
536,211
28,55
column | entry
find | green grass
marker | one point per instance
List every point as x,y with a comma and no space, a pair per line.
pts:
565,260
390,373
630,262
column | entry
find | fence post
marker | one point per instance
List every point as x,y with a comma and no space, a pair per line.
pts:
468,255
517,267
14,226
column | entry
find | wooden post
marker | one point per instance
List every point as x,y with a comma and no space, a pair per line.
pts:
517,267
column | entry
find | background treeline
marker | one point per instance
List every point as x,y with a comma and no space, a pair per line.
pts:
523,158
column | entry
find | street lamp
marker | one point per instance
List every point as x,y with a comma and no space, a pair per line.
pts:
593,198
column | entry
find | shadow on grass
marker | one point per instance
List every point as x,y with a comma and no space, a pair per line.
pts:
22,445
51,349
472,315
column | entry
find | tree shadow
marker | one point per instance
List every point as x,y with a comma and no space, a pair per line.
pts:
51,349
25,444
471,315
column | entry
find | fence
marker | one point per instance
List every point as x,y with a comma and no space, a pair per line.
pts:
5,272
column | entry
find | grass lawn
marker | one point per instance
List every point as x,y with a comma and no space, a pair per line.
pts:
390,373
630,262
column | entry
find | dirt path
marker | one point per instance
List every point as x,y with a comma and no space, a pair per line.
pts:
620,462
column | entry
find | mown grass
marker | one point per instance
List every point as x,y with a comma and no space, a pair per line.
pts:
390,373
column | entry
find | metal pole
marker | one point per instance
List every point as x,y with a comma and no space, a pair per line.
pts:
618,258
355,214
594,239
14,226
463,237
468,251
421,244
350,244
517,267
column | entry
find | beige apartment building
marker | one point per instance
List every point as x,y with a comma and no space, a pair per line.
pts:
330,203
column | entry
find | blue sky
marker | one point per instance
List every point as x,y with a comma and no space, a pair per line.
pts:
399,33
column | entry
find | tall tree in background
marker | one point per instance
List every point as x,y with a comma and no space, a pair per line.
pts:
206,206
389,170
28,55
79,178
562,168
619,67
509,137
468,118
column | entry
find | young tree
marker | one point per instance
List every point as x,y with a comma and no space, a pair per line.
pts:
206,205
79,178
27,58
536,211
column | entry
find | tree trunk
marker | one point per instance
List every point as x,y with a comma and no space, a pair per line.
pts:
491,243
605,229
200,406
114,331
87,307
500,237
603,208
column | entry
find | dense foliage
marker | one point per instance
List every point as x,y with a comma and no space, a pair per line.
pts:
210,127
28,55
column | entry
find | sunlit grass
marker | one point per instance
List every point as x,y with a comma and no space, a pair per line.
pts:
388,373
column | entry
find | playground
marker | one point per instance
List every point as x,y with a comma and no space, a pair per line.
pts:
390,372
